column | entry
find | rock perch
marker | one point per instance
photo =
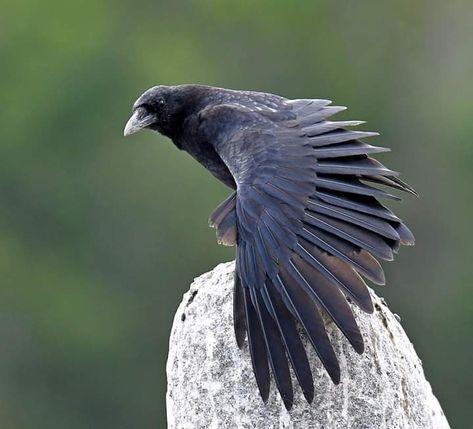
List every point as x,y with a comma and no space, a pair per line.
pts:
211,383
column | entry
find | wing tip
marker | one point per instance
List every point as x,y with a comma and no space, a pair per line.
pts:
334,374
359,347
288,403
406,236
367,305
264,387
309,394
379,278
240,341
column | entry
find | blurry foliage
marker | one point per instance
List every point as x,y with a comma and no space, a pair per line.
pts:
99,237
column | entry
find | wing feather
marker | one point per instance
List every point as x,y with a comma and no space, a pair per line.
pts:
275,348
239,323
307,227
256,344
291,339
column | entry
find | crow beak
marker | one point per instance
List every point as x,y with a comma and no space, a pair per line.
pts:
140,119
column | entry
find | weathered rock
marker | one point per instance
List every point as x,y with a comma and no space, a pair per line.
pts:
211,383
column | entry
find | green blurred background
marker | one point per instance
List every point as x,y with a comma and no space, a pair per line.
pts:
100,236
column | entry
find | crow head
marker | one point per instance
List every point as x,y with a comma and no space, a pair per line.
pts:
159,108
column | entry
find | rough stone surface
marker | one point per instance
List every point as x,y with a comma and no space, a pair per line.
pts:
211,384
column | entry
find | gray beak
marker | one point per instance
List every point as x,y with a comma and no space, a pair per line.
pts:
140,119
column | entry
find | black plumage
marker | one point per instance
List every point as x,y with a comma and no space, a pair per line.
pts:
306,221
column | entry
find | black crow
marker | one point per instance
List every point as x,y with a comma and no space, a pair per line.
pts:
306,222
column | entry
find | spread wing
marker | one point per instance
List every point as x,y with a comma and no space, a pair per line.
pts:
308,228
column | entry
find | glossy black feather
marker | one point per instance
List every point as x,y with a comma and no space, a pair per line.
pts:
359,203
257,346
351,185
290,337
361,260
307,314
354,166
333,137
371,223
327,297
239,322
275,348
337,272
359,236
326,126
351,148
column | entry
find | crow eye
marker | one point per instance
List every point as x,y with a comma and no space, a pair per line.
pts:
160,102
148,107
